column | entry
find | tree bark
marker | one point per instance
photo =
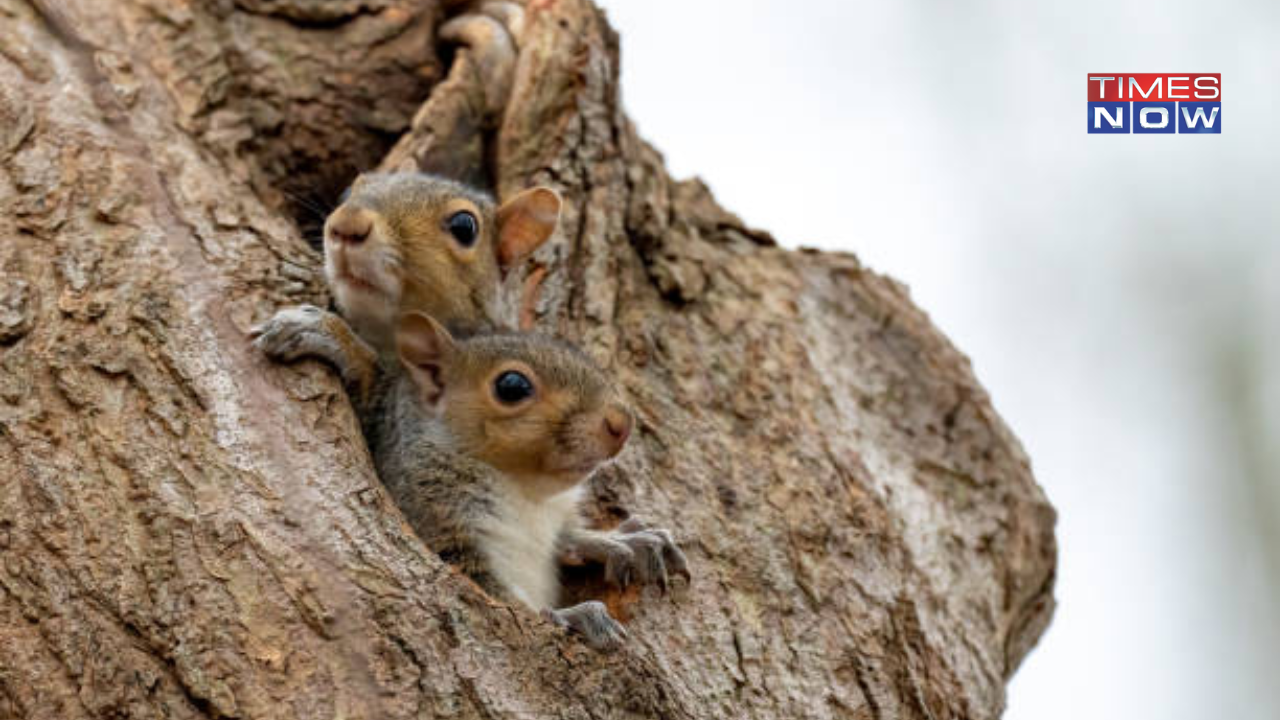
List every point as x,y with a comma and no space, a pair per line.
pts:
187,530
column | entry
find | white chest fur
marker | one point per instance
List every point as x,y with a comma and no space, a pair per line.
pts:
519,542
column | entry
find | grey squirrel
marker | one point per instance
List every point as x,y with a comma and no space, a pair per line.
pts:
486,442
403,242
483,437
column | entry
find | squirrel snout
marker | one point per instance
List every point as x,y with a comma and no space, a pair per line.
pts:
350,226
617,428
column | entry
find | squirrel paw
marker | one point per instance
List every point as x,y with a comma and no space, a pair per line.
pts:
294,333
592,621
644,554
510,14
494,52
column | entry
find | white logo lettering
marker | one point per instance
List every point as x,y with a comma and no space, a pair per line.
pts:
1199,117
1164,117
1101,112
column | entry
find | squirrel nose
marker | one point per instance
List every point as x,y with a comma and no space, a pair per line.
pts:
617,427
350,226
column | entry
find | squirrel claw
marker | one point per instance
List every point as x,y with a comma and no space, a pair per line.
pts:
645,554
591,621
291,333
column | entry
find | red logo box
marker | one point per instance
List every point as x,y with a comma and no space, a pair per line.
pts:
1139,87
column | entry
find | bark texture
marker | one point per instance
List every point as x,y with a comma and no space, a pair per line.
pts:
189,531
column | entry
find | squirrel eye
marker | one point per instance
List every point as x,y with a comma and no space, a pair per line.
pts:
511,387
463,227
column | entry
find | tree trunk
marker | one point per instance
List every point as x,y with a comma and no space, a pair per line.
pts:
187,530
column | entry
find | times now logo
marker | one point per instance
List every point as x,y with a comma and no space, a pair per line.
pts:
1154,103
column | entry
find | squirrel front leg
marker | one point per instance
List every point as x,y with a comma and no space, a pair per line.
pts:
308,331
591,620
633,552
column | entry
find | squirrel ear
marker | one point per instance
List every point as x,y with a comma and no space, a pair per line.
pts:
424,345
525,222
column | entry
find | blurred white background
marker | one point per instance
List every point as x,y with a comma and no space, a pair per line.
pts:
1119,295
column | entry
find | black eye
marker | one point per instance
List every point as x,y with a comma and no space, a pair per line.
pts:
511,387
463,227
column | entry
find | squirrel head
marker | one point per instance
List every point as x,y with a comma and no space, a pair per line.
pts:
530,406
403,242
537,409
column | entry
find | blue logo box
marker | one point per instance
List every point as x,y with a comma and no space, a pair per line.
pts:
1109,118
1145,118
1199,118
